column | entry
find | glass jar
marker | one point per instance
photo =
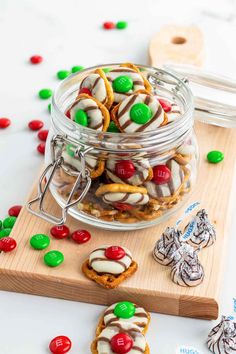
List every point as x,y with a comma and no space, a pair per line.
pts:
84,166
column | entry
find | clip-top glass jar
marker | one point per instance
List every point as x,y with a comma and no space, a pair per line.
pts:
121,180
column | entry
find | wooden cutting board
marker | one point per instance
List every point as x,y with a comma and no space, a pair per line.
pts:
23,270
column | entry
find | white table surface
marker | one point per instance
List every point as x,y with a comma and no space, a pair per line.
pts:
68,33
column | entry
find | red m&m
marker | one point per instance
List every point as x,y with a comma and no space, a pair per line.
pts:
81,236
165,105
35,124
41,148
43,134
36,59
161,174
4,123
115,252
123,206
68,114
109,25
14,210
60,345
125,169
60,232
85,90
7,244
121,343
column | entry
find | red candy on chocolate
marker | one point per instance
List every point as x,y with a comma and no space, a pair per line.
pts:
4,123
124,169
121,343
35,124
42,135
36,59
14,210
68,114
7,244
109,25
115,252
60,232
86,91
165,105
81,236
60,345
161,174
123,206
41,148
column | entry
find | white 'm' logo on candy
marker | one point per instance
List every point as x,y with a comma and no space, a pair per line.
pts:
59,342
120,341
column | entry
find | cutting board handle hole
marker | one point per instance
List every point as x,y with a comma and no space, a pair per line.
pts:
179,40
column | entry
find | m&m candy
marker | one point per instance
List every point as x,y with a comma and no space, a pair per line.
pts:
60,232
121,343
5,232
39,241
113,128
14,210
124,169
43,134
140,113
7,244
4,123
85,90
165,105
77,68
49,107
81,117
53,258
115,252
122,84
123,206
62,74
109,25
35,124
161,174
81,236
9,222
60,345
124,309
215,156
121,25
41,148
45,93
36,59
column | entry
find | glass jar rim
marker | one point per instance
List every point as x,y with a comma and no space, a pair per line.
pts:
160,135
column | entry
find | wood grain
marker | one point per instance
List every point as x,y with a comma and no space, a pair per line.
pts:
24,271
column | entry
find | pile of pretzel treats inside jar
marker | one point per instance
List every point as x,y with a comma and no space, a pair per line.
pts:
127,187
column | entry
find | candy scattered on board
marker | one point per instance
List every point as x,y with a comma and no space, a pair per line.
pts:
53,258
14,210
45,93
35,124
4,123
36,59
60,232
60,345
63,74
7,244
41,148
109,25
215,156
81,236
43,134
39,241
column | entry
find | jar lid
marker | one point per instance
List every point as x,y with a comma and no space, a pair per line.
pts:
214,95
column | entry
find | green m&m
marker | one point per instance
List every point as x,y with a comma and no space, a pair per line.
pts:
113,128
122,84
124,309
5,232
140,113
9,222
62,74
77,68
121,24
81,117
44,94
39,241
49,107
53,258
215,156
0,224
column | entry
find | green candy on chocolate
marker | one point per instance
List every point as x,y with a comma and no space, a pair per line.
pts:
122,84
53,258
140,113
39,241
215,156
62,74
5,232
113,128
124,309
81,117
9,222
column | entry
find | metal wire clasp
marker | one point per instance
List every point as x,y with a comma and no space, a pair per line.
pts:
58,162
